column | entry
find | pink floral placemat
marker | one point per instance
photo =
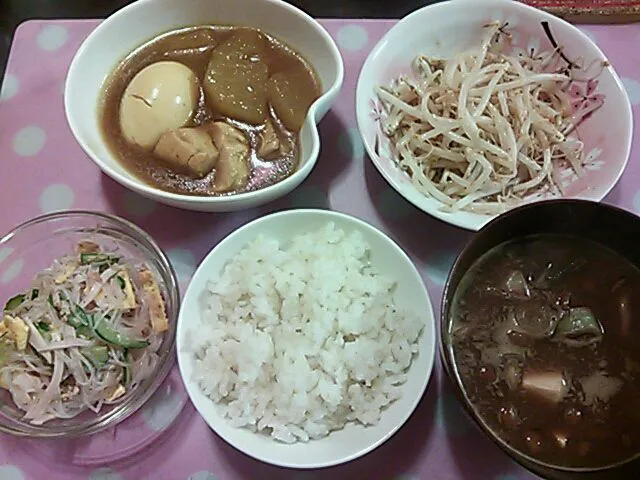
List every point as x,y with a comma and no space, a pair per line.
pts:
42,169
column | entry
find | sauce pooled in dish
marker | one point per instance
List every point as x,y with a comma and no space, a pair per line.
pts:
544,335
211,110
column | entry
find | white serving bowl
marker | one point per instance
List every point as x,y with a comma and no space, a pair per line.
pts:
447,28
353,441
141,21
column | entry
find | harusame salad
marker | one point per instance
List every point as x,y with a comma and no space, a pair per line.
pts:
84,335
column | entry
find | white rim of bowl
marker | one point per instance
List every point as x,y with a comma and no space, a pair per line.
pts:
135,184
432,342
450,218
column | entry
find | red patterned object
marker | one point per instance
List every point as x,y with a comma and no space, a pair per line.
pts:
601,11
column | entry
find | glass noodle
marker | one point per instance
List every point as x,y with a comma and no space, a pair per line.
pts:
85,334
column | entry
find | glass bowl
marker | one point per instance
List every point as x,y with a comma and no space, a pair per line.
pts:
32,247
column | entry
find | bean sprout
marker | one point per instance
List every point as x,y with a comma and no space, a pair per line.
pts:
489,128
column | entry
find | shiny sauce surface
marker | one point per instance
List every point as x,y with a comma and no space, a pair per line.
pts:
193,47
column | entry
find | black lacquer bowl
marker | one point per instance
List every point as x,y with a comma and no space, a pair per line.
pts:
611,226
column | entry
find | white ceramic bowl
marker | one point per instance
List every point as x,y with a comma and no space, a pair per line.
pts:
447,28
353,441
141,21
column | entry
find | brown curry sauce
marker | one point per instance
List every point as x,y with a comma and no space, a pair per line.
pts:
192,46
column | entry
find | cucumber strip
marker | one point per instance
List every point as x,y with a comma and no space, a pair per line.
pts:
98,258
80,317
85,325
14,302
84,331
98,355
126,370
42,326
110,335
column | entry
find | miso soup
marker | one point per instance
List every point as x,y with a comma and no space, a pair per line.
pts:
544,333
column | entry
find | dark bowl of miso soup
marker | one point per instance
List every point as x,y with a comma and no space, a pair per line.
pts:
541,337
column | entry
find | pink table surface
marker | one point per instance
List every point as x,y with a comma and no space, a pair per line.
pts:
41,165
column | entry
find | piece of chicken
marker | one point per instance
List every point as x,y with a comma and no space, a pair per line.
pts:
269,141
189,150
232,168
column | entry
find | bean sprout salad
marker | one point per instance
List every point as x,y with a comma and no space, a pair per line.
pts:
490,128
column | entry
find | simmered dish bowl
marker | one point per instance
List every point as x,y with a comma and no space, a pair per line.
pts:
306,338
89,309
210,110
491,108
207,106
539,327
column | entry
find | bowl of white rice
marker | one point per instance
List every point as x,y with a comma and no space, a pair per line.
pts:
306,338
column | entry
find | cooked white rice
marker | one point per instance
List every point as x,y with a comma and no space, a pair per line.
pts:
300,339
